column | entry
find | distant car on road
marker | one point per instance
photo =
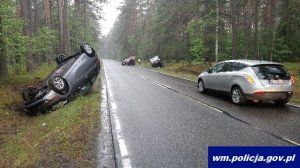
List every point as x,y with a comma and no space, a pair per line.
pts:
129,61
249,80
73,74
155,62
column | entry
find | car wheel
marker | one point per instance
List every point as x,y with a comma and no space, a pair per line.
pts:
160,64
237,96
59,84
201,87
281,102
87,49
60,58
29,93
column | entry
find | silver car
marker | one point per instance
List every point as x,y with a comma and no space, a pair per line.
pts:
249,80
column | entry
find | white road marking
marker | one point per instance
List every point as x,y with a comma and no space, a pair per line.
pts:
159,84
120,139
294,105
293,142
123,148
205,104
126,163
169,87
143,77
154,81
149,69
213,108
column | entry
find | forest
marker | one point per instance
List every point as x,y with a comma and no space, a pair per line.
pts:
206,30
33,32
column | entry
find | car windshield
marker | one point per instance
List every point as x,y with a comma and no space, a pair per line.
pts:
271,72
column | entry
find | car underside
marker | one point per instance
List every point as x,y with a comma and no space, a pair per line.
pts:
73,75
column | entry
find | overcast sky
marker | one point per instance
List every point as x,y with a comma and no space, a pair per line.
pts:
110,13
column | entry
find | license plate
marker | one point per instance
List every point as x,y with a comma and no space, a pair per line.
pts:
276,81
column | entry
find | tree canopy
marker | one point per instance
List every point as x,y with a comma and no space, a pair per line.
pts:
32,32
207,30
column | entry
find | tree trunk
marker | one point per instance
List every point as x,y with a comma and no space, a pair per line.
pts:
26,13
255,43
65,27
48,13
3,63
222,32
36,16
48,18
269,27
84,22
61,26
217,34
234,28
77,5
40,59
273,26
247,28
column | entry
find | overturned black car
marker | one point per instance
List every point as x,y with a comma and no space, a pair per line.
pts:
129,61
73,74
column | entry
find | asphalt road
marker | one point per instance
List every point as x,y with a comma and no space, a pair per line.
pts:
162,121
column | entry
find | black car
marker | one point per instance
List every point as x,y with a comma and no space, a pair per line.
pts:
129,61
73,74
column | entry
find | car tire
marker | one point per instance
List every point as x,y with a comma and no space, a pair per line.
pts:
281,102
237,96
160,64
201,86
29,93
60,58
87,49
59,84
131,63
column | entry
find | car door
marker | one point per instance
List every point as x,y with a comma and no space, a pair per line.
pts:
212,77
229,74
221,80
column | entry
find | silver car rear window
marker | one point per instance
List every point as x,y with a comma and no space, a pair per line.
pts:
268,72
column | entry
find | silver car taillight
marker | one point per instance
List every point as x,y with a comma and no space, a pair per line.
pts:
249,79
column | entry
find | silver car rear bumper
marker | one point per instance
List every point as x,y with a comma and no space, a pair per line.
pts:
271,92
269,96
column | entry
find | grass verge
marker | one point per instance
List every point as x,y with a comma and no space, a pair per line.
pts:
191,71
62,138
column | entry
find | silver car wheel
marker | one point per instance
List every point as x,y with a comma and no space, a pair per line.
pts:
236,95
58,83
87,48
200,86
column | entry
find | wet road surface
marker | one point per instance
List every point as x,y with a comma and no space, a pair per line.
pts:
162,121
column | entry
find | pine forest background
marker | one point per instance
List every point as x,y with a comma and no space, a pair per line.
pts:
206,30
33,32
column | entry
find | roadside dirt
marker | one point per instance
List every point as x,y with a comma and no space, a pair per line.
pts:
64,138
191,69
